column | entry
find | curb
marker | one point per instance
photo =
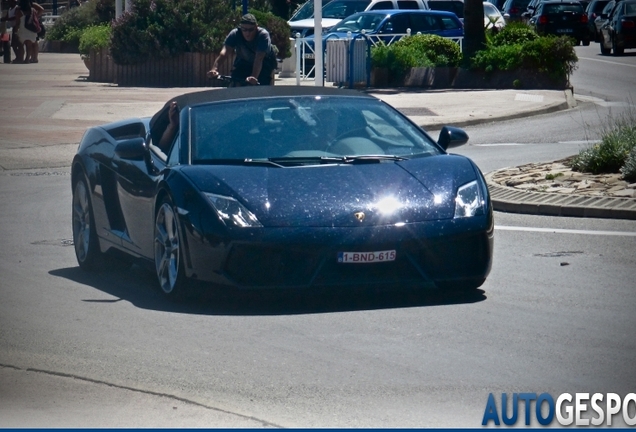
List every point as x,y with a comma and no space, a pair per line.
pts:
512,200
569,102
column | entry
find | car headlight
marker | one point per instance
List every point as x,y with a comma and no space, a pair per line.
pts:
469,200
232,212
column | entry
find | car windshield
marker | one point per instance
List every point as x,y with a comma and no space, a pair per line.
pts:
304,130
359,22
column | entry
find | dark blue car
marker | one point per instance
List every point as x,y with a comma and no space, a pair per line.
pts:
279,187
398,22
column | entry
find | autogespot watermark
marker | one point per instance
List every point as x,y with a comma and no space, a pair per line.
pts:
578,409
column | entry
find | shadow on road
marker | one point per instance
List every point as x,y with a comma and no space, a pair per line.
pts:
139,287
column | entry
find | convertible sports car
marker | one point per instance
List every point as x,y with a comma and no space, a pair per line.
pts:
279,187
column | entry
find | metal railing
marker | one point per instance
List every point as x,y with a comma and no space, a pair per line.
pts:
305,51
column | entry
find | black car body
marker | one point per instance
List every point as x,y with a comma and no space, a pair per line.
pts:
561,18
274,187
619,32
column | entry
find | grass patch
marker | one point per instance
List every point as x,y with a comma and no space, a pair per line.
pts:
615,153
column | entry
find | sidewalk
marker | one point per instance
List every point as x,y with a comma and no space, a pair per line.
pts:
46,107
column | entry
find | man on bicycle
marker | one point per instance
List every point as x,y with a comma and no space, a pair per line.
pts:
255,57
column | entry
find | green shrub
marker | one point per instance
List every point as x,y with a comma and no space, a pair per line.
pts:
68,27
167,28
437,50
94,37
614,153
512,34
546,54
629,168
415,51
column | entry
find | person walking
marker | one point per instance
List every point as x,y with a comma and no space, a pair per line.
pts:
27,10
255,59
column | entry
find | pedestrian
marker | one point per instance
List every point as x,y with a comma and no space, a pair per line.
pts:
5,32
255,60
7,21
26,12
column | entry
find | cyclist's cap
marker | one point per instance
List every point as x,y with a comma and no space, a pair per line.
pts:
248,19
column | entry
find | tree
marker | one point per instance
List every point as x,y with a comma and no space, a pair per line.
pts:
474,32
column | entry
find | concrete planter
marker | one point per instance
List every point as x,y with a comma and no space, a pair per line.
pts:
435,77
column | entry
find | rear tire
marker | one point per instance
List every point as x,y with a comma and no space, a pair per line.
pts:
85,241
168,252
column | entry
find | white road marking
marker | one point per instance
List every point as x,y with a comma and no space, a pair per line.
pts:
580,142
607,61
566,231
525,97
498,144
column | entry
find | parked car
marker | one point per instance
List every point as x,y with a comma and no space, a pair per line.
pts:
512,10
498,4
561,18
619,32
454,6
389,26
594,10
492,17
336,10
272,187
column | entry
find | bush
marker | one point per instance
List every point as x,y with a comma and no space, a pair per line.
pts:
439,51
513,34
546,54
615,153
69,26
94,38
629,169
167,28
416,51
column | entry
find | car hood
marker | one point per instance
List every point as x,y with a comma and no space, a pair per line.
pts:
409,191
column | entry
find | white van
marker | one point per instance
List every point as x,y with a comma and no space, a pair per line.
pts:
333,11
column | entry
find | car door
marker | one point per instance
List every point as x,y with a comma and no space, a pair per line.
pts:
137,180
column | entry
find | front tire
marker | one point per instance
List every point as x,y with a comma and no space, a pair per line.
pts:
85,241
168,256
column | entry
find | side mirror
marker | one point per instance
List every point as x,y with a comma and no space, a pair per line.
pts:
132,149
451,136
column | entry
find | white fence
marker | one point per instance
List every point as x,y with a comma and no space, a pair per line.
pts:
345,61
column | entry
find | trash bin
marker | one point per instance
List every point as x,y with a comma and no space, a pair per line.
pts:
339,63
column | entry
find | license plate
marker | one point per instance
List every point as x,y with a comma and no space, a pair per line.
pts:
310,56
366,257
565,31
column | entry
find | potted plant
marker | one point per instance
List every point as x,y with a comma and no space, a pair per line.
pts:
93,39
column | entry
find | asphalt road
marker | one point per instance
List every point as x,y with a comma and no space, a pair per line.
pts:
555,315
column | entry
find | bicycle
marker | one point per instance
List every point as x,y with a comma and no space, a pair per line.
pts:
233,82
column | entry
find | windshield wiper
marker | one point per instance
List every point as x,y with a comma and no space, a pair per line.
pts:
246,161
363,158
